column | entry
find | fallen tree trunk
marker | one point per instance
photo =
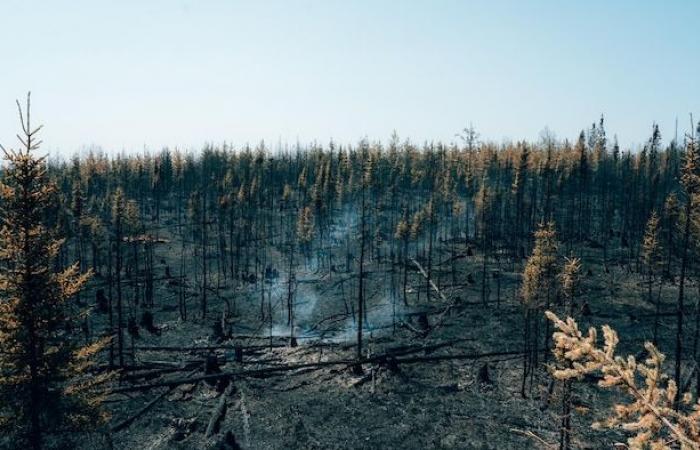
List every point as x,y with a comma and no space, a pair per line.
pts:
204,348
129,420
408,349
241,373
219,412
157,372
432,283
154,373
443,315
271,371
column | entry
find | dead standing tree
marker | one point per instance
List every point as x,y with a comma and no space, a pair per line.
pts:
366,175
690,180
118,213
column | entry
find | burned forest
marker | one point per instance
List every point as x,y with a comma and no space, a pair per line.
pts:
385,294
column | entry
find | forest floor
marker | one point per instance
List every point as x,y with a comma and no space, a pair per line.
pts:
472,402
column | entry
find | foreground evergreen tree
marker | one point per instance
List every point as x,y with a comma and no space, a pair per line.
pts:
44,387
651,415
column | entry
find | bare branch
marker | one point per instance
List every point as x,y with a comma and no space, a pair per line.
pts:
21,117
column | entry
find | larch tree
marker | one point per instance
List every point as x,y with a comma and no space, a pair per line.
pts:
118,212
402,234
44,385
518,191
366,177
538,287
483,208
583,173
690,180
651,255
671,213
305,230
652,415
570,280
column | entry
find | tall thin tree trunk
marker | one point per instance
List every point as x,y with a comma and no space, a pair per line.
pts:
681,293
361,289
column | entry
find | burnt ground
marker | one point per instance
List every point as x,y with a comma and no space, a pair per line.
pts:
419,404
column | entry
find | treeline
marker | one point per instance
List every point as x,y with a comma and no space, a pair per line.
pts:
229,210
489,196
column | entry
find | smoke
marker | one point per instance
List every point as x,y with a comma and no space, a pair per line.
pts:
327,320
379,319
305,300
344,224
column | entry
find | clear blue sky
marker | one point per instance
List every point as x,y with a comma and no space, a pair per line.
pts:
128,74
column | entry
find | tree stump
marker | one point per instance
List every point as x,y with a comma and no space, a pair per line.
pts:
211,365
217,331
229,442
585,309
483,375
101,300
147,322
423,323
132,328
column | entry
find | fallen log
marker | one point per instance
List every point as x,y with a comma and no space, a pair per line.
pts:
443,315
411,328
129,420
271,371
155,373
408,349
432,283
268,337
241,373
205,348
457,356
453,258
219,412
441,318
362,380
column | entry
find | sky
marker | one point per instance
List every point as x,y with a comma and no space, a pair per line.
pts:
131,75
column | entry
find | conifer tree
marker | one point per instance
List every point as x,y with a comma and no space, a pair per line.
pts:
361,278
43,380
536,292
305,229
671,213
402,234
569,282
652,415
118,212
518,191
483,207
651,253
690,180
291,276
583,168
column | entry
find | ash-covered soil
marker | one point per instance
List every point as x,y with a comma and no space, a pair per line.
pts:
412,399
